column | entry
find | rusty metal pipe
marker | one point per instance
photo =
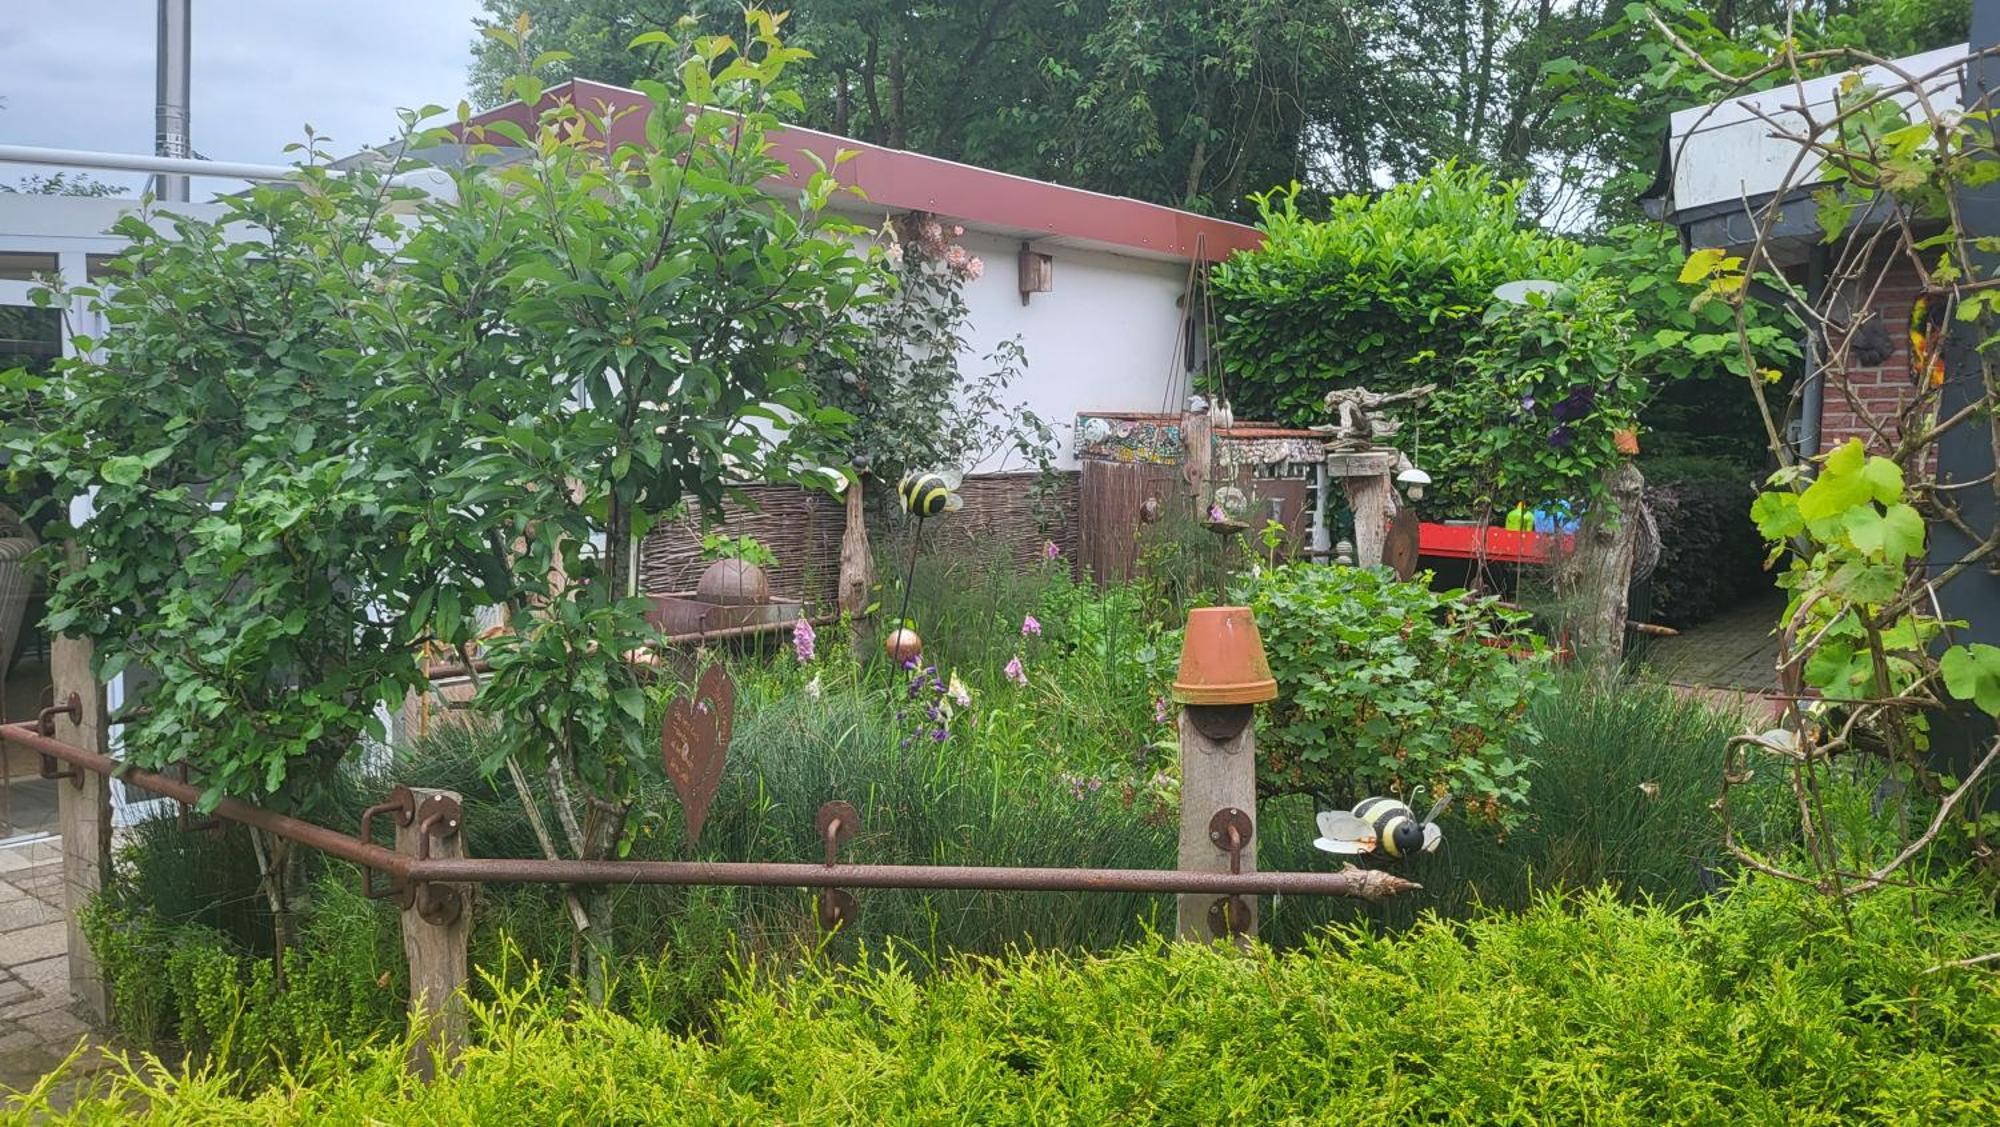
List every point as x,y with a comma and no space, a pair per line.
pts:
327,841
1365,883
1369,884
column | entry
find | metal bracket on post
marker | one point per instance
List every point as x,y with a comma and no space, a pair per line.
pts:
836,822
1220,722
438,818
403,805
45,723
1231,829
1232,916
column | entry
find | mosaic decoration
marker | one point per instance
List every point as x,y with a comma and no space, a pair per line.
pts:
1127,438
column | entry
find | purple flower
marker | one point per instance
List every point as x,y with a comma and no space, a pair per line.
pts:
1030,627
1215,515
1527,402
940,735
1050,551
1014,671
1575,405
1160,713
1561,437
803,639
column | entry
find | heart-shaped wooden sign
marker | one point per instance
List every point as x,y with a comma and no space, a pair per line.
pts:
694,743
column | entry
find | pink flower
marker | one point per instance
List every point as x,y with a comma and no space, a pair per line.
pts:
1030,627
1050,551
1160,713
1014,671
956,257
894,254
957,231
802,641
973,269
1215,515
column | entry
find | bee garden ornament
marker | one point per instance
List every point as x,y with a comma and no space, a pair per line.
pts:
1381,825
928,493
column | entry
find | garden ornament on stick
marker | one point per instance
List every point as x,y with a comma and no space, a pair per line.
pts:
694,744
924,493
1381,825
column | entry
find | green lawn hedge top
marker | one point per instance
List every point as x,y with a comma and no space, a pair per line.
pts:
1586,1013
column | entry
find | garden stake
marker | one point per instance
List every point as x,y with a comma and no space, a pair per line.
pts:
909,576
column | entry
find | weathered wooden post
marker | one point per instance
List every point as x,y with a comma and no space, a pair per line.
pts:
1364,476
1223,677
83,807
437,922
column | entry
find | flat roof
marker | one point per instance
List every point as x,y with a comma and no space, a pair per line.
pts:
898,180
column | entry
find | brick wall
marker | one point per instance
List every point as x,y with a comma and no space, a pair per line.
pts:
1862,402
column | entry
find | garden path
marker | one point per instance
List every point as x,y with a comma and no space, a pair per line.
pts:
1730,659
37,1029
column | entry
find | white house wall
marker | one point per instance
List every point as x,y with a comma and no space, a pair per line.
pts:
1102,340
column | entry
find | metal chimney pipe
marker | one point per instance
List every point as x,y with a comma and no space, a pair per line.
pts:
171,95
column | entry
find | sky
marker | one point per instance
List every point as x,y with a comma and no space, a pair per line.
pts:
79,74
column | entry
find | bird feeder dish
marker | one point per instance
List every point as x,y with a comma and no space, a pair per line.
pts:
1222,660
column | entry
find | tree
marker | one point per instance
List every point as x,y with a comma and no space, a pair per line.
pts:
62,184
660,310
319,437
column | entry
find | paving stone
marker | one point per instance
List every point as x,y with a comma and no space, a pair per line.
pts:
24,913
10,893
58,1029
38,942
45,975
12,861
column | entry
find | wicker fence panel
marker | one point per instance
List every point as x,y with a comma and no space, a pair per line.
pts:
1004,513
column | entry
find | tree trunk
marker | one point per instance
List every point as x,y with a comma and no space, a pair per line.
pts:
1599,577
603,827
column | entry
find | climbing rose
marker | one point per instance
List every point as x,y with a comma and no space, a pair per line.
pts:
973,269
1014,671
802,641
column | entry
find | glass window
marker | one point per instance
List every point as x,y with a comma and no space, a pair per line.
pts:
97,267
29,338
23,266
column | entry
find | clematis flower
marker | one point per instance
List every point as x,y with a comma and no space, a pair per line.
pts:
1030,627
1014,671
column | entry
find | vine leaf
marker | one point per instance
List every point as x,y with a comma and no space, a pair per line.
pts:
1973,673
694,744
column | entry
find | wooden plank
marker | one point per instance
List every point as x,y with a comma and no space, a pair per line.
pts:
83,812
1215,775
436,953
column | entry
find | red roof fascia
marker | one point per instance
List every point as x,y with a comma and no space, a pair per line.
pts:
904,181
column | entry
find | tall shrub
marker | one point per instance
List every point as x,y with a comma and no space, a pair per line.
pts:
1388,687
1396,290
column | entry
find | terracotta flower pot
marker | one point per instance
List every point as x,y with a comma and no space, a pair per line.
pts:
1222,660
733,583
1627,441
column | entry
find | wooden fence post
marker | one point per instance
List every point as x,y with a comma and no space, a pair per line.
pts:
1218,775
1223,676
437,922
83,811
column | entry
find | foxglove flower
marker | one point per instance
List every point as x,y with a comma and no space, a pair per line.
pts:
1050,551
803,641
1014,671
1030,627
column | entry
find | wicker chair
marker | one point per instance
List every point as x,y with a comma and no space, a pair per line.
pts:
17,583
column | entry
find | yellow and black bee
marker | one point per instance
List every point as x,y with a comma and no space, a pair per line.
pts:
926,493
1381,825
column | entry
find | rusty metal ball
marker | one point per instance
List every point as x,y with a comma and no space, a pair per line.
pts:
903,646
